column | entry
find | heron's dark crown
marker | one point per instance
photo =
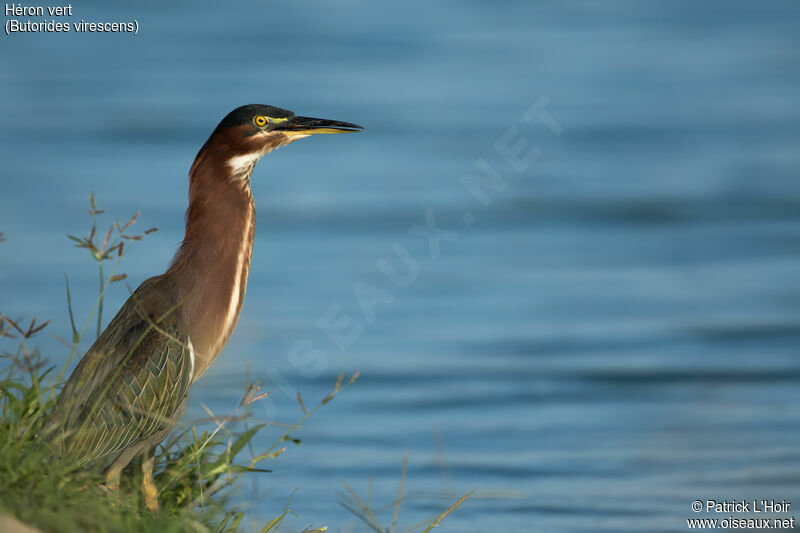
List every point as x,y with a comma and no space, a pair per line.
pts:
244,115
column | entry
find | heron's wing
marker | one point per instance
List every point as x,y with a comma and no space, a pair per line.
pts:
130,383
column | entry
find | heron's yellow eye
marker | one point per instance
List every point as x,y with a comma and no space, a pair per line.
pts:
260,121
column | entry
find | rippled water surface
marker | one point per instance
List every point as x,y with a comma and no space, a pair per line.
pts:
613,336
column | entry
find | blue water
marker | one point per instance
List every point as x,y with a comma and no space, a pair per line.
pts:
614,336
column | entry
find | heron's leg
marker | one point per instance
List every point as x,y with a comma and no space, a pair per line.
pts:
148,485
112,478
114,471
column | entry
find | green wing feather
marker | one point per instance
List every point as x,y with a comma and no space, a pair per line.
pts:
129,384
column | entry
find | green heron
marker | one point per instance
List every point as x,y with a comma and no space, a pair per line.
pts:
130,388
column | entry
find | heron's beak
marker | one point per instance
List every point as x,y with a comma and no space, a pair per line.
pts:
310,126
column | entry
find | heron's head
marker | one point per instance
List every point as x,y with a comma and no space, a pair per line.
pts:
248,132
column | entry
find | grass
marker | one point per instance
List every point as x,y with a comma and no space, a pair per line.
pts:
365,511
194,465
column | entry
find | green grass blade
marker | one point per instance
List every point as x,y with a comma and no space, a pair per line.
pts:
75,335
